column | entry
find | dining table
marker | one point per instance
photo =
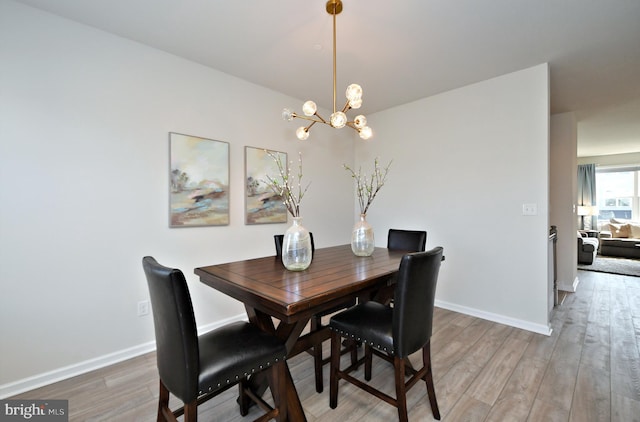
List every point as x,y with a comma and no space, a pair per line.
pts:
282,302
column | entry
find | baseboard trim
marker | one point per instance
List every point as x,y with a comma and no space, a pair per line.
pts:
572,288
512,322
60,374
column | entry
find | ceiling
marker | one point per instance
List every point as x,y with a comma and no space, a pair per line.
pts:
401,51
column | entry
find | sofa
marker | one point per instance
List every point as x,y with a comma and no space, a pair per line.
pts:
620,238
587,248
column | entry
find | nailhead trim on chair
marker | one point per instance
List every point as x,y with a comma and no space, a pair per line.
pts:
370,343
237,377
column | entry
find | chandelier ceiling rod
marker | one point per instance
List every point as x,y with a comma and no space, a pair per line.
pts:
333,5
338,119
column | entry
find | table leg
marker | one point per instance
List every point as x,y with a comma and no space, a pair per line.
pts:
289,333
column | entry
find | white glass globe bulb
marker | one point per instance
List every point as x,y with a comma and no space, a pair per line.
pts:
354,92
302,133
309,108
360,121
338,119
287,114
366,133
355,103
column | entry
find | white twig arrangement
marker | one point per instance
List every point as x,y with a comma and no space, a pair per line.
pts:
367,187
284,185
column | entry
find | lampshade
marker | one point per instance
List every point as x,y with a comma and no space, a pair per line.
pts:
583,210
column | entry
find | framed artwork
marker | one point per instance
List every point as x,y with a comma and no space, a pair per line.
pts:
199,181
262,205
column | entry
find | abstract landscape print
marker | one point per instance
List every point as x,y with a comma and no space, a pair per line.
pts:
262,205
199,181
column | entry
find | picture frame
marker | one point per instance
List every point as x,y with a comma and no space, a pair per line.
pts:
262,205
198,181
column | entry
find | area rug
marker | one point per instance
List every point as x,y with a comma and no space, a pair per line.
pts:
605,264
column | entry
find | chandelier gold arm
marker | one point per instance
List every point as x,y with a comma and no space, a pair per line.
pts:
346,107
317,119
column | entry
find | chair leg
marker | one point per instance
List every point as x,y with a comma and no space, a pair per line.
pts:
163,402
317,355
367,362
428,378
191,411
354,351
335,367
243,399
401,389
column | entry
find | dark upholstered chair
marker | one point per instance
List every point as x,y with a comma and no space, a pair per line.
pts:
316,324
196,368
587,249
279,239
406,240
392,333
402,240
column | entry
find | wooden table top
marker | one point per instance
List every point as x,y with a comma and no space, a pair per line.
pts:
335,273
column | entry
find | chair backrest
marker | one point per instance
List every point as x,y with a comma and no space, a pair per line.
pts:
414,297
279,239
407,240
175,326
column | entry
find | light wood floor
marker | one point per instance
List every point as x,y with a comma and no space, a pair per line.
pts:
587,370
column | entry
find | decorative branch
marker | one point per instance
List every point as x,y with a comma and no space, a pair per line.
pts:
284,188
368,187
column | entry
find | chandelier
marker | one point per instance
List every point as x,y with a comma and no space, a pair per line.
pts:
338,118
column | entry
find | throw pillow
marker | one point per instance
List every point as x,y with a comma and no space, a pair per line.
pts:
623,221
620,230
635,230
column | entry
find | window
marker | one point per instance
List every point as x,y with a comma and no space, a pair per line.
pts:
617,191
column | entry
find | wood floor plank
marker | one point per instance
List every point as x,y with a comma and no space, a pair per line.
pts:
596,351
447,354
451,387
421,412
624,409
516,399
484,349
541,346
468,409
592,395
560,377
547,412
600,309
625,357
489,383
453,382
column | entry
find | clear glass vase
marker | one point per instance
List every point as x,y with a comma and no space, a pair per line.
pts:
296,247
362,241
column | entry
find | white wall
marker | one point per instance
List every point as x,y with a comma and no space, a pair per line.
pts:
464,164
563,189
84,121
